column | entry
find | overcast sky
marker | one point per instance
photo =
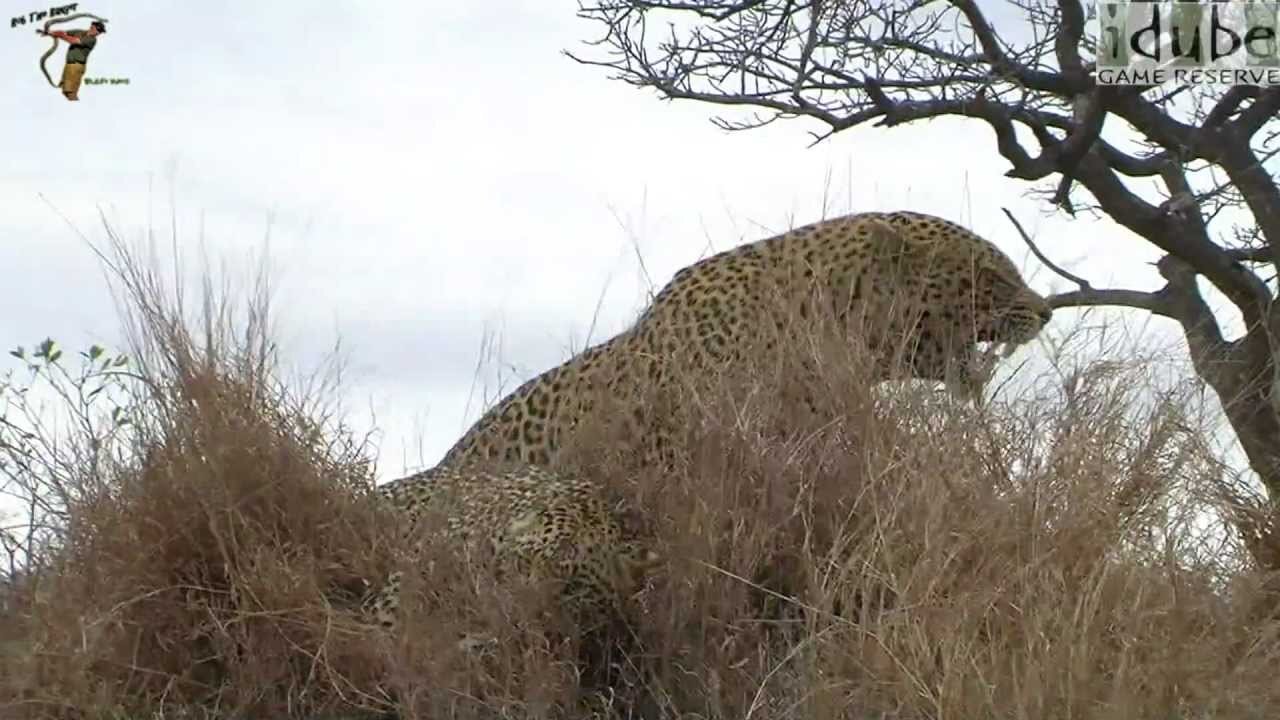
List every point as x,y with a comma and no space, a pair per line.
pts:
433,171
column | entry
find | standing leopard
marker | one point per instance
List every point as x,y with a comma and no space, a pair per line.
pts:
921,292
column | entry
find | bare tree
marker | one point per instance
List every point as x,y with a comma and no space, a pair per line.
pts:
1163,162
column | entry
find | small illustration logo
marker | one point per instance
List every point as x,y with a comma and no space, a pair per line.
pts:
80,43
1200,42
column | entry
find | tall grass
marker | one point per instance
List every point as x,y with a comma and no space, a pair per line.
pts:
196,561
879,553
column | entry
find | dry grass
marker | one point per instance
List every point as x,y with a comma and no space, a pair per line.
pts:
198,564
1035,558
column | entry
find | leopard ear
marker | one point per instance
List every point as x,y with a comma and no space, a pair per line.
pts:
892,246
885,236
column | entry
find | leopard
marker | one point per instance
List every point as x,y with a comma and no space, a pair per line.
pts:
920,291
543,525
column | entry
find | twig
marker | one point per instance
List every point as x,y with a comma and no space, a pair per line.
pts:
1154,302
1079,281
1088,296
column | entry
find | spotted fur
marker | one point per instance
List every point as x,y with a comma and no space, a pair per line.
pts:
919,291
548,526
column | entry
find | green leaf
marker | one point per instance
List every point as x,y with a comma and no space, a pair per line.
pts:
95,352
120,360
45,348
19,353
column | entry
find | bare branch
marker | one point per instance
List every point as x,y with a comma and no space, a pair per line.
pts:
1156,303
1202,329
1090,115
1161,127
1001,62
1128,164
1173,234
1229,104
1263,109
1257,187
1067,43
1250,255
1079,281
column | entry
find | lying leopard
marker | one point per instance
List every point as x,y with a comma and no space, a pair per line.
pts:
542,524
